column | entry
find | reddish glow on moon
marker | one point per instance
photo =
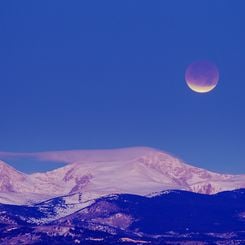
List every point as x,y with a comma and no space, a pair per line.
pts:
202,76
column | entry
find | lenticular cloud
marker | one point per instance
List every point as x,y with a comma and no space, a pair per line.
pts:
70,156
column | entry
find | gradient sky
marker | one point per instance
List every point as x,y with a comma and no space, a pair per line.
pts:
108,74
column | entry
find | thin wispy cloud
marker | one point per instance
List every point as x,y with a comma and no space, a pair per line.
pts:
71,156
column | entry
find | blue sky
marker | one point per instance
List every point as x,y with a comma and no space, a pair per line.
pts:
108,74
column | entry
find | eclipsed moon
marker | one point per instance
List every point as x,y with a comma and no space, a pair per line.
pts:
202,76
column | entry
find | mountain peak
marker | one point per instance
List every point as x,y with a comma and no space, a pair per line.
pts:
3,164
135,170
10,178
6,167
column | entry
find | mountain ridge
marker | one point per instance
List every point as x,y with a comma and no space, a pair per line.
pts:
138,170
170,217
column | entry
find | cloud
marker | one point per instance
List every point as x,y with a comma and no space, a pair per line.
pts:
53,156
71,156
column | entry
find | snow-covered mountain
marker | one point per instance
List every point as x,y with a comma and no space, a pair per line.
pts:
97,173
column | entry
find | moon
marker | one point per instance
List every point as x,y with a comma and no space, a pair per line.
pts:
202,76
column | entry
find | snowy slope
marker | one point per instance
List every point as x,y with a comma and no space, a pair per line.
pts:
96,173
169,217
